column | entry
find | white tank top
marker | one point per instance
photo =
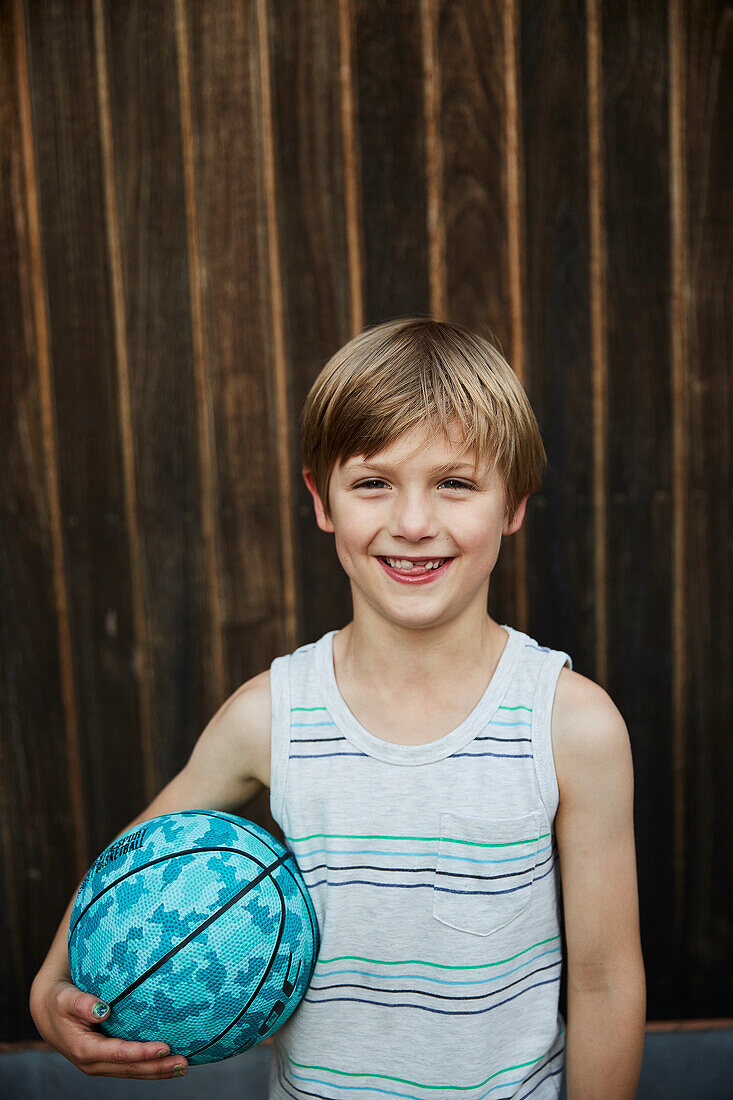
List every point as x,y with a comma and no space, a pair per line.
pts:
434,875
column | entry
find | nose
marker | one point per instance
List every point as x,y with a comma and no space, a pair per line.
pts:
412,518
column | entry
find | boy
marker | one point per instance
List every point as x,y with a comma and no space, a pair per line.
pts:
442,780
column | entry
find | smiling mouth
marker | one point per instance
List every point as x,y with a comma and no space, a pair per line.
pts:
414,563
418,571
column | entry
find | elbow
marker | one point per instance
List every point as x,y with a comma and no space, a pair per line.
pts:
622,975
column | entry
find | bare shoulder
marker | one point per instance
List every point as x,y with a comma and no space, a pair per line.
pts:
248,712
594,828
589,733
230,760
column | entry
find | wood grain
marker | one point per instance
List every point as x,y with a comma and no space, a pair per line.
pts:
706,933
169,453
557,291
40,781
307,75
635,90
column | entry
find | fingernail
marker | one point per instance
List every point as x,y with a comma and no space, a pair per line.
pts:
179,1071
162,1053
100,1009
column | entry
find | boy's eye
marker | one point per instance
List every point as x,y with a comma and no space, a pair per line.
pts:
451,480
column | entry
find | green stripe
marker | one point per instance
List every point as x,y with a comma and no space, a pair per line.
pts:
308,708
431,839
437,966
418,1084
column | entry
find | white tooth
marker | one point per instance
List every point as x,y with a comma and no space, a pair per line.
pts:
404,563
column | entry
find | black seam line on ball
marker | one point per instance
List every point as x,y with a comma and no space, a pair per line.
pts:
219,817
151,863
263,979
308,904
299,882
192,935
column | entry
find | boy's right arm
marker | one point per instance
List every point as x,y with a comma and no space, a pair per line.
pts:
228,766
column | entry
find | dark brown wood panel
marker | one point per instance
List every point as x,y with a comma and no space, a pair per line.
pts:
472,136
146,122
639,410
225,192
36,804
309,159
554,142
707,931
225,78
230,205
61,63
388,81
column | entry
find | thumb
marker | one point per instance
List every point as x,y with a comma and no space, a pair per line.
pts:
90,1007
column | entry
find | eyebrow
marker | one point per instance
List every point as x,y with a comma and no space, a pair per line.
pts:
445,468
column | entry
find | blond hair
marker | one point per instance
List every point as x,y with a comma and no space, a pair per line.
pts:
413,371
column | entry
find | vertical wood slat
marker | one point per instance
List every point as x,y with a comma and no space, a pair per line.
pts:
636,216
114,253
389,102
706,170
518,547
434,165
317,190
40,792
200,366
145,111
62,78
349,155
599,363
680,383
284,429
33,270
557,287
226,112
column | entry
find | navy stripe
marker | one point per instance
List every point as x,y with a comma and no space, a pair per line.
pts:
453,756
426,1008
439,996
418,885
415,870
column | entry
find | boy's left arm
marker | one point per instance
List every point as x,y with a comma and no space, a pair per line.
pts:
594,828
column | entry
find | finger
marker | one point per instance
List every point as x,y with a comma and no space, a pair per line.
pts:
158,1070
100,1049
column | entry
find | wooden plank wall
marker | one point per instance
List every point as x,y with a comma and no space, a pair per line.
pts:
200,202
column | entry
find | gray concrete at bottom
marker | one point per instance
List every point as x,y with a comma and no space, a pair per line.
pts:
677,1065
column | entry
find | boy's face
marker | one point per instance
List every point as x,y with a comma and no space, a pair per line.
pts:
399,506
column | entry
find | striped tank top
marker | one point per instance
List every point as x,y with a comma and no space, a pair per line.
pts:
435,878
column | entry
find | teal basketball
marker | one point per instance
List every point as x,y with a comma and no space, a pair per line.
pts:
197,929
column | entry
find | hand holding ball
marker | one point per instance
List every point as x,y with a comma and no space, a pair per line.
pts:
197,929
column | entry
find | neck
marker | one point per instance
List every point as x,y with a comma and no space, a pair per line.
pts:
403,661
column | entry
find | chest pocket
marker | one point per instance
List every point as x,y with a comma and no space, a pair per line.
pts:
485,869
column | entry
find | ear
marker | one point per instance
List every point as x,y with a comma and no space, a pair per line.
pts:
323,523
511,528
